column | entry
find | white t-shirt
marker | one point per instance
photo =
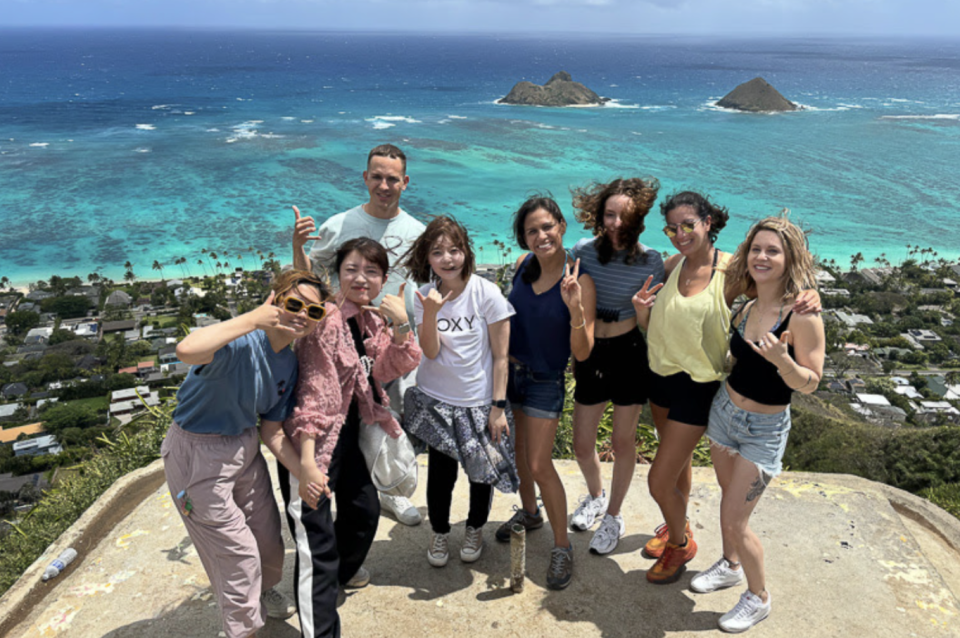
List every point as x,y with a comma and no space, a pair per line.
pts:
462,373
396,235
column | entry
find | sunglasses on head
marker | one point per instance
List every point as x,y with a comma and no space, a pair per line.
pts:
315,312
686,226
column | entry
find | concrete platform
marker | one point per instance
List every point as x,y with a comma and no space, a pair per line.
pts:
845,557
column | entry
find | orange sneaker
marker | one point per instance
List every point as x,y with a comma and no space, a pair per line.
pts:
672,563
654,546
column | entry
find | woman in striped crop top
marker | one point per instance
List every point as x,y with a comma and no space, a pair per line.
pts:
777,352
616,371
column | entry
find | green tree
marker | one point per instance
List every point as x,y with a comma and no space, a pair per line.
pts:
21,322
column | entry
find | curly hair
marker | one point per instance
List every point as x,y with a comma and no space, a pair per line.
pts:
417,259
799,269
537,202
704,208
290,279
591,201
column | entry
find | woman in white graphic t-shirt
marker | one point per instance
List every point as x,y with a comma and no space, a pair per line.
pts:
459,406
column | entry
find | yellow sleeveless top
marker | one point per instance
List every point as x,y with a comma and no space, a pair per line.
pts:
690,334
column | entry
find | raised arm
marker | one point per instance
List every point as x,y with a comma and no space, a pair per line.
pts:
580,296
427,329
803,371
199,347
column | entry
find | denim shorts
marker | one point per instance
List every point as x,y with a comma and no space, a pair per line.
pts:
759,438
537,394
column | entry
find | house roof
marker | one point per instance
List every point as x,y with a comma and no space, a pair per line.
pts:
9,435
118,326
118,298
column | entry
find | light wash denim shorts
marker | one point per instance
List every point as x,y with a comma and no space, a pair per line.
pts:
759,438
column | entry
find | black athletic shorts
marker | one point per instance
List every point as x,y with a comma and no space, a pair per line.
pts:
688,401
617,371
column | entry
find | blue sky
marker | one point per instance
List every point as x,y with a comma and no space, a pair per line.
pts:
734,17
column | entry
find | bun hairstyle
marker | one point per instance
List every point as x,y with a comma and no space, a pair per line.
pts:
705,209
591,201
417,259
537,202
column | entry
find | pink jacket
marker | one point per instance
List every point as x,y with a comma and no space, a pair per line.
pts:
331,377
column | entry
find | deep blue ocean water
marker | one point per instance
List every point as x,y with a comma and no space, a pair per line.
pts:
155,145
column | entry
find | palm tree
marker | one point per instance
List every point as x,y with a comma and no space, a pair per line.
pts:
855,261
201,264
3,282
158,266
242,265
219,266
129,276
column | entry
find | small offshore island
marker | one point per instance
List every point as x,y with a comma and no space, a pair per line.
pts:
757,96
560,90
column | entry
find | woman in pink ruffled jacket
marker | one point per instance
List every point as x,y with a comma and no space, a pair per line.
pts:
342,366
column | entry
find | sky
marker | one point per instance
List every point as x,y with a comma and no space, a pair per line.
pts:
715,17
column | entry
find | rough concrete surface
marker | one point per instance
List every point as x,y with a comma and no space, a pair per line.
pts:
841,561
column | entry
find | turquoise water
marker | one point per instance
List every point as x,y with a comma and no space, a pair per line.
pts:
142,146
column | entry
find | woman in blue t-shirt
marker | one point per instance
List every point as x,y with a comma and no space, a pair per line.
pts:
243,371
554,304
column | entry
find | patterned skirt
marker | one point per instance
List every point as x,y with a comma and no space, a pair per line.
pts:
463,434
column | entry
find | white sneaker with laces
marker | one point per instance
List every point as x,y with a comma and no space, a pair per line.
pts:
608,535
719,576
360,579
589,511
472,545
401,508
749,611
438,553
277,604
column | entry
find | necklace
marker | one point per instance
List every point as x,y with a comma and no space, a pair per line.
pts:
686,282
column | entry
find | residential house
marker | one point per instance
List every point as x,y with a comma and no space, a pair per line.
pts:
129,394
167,355
7,410
10,435
851,319
37,446
119,298
38,295
108,328
938,385
38,335
14,390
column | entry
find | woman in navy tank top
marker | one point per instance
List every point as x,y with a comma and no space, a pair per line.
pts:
554,301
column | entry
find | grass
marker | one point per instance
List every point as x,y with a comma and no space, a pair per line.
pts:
100,404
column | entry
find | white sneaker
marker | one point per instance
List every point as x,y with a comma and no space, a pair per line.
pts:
589,511
439,553
277,604
360,579
401,508
472,545
719,576
608,535
748,612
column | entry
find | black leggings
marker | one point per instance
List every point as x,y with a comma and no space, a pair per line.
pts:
441,477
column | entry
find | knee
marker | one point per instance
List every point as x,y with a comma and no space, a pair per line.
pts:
541,469
584,448
659,489
624,447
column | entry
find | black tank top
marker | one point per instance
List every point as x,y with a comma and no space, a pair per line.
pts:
753,376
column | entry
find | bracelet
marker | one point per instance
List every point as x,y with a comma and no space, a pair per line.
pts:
580,326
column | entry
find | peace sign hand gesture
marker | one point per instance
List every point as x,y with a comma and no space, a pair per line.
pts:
772,349
433,302
645,297
302,229
570,286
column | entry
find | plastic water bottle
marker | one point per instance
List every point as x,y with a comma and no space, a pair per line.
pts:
66,557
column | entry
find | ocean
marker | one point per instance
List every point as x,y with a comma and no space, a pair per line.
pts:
157,145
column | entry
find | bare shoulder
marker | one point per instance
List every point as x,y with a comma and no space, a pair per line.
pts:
672,262
520,260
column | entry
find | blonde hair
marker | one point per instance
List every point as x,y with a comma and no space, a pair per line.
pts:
799,271
290,279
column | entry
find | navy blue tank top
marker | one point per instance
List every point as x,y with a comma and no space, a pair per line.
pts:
540,331
753,376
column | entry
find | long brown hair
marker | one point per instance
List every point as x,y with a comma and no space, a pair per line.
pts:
591,201
799,270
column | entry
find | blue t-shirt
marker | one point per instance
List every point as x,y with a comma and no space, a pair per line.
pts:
246,379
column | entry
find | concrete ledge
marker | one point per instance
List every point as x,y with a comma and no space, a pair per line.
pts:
100,518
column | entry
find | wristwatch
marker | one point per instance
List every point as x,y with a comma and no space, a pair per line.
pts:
502,404
403,328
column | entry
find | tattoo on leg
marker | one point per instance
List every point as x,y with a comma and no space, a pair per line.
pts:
757,487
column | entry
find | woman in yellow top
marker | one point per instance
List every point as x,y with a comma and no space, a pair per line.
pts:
687,336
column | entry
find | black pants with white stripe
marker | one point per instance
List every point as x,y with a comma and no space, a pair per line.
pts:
330,553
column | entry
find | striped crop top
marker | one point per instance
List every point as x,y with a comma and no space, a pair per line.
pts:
617,282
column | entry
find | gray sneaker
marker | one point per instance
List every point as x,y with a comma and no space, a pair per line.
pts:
522,517
590,510
608,536
472,545
359,580
277,604
561,567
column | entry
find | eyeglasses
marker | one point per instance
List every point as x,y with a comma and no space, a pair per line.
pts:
686,226
315,312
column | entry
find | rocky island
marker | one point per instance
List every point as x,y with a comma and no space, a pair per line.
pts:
560,90
756,96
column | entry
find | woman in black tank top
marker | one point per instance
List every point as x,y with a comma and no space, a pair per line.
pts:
777,352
